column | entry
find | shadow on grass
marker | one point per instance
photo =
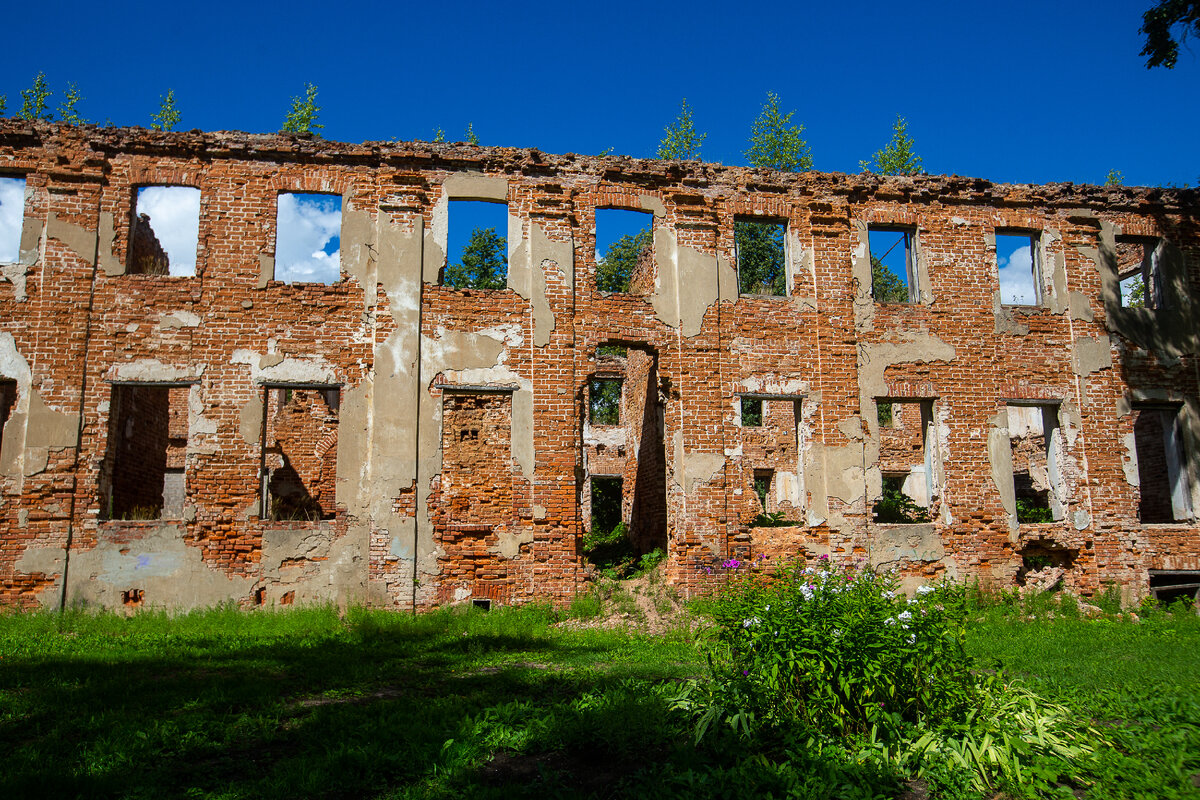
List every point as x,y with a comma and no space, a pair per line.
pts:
436,708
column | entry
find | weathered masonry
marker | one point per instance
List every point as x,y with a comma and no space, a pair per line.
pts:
178,434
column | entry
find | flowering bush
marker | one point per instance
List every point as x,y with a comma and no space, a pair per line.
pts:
837,650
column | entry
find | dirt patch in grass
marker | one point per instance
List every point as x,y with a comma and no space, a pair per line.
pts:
644,602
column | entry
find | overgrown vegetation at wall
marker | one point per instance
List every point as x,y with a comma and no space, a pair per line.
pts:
520,702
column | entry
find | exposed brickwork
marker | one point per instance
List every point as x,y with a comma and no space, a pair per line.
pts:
414,514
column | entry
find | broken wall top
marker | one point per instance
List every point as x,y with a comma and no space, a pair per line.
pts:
81,152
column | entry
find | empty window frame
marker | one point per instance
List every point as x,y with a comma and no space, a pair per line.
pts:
1037,451
12,217
1019,268
604,401
764,480
624,250
308,236
143,472
752,412
298,462
165,231
893,264
772,457
607,503
907,461
1164,493
761,257
477,245
1137,269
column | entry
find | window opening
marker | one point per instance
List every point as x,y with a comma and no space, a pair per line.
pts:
1164,495
1019,270
607,498
1036,444
299,453
752,412
12,217
165,233
893,268
763,478
624,249
1137,269
143,473
477,245
308,238
1172,585
483,604
604,401
907,463
761,261
885,413
612,351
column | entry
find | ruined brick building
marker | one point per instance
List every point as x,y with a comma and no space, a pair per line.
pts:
232,435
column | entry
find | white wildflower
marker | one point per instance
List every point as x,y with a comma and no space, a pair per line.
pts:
925,589
751,622
889,621
904,616
912,639
889,595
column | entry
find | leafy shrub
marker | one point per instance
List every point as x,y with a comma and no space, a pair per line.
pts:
773,519
1033,511
837,651
897,507
610,551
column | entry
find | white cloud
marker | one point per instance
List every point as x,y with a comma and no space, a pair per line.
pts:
12,212
308,237
1015,260
174,213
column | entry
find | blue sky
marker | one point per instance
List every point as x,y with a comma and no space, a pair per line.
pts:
1023,91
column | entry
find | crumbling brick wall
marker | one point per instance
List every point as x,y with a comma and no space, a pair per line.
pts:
77,319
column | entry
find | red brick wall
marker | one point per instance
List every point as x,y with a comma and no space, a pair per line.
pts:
79,325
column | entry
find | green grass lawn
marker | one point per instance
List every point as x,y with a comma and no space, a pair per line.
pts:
303,703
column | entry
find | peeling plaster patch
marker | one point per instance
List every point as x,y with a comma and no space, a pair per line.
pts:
315,563
400,547
918,347
1092,355
31,234
357,248
271,368
1006,318
158,562
1080,307
179,319
109,264
892,543
266,269
510,542
250,421
15,274
80,240
683,304
1081,519
1057,266
528,266
851,427
198,424
1129,462
695,469
1000,461
149,370
539,512
653,204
